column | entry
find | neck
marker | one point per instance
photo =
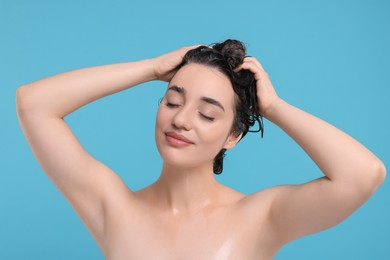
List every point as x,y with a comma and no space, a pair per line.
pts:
186,190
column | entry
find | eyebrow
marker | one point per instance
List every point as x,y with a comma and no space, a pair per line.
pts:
209,100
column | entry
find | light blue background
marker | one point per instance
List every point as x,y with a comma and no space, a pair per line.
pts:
330,58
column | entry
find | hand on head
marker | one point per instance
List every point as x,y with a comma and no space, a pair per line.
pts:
165,65
266,94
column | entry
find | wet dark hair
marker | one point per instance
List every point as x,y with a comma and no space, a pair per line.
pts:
226,56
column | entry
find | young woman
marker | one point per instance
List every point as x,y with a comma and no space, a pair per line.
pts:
215,94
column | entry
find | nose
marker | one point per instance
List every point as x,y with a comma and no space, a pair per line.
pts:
182,119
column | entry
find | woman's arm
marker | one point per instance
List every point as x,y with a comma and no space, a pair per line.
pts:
85,182
93,189
61,94
340,157
352,172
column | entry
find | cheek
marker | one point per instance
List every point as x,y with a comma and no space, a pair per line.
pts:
159,125
162,116
215,135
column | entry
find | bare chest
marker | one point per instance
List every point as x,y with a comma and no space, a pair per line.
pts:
220,234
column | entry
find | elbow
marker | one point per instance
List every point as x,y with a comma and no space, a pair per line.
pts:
20,92
377,175
380,171
371,179
22,99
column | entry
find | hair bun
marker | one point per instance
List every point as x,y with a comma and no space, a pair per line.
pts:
234,51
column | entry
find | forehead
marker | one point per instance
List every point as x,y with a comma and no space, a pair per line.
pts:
200,80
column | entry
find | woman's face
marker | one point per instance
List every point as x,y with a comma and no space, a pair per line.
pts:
195,117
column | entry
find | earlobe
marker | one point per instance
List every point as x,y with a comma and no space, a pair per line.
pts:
232,140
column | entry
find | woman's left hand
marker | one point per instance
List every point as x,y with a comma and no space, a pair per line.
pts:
266,94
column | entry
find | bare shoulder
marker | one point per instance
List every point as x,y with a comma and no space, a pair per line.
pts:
231,196
261,199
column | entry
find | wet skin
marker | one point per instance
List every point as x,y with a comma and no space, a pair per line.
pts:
228,228
186,213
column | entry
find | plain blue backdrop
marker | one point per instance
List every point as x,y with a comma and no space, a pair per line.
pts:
330,58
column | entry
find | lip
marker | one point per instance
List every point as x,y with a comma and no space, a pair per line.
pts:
177,140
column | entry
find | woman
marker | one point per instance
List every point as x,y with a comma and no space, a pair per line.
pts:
214,95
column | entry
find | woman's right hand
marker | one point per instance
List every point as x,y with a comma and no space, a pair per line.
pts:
165,65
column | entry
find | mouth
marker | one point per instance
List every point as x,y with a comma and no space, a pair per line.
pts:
177,140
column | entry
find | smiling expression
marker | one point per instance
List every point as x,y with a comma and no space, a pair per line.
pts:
195,117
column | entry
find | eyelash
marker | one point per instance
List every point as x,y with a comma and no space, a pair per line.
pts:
171,105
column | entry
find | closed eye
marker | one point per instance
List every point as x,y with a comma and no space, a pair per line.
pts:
171,105
207,117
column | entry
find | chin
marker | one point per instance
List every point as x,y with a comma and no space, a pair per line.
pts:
174,156
180,158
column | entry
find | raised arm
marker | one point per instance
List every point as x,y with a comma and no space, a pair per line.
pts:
89,186
352,172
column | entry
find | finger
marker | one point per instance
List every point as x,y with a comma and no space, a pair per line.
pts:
256,63
253,67
237,69
254,60
185,49
244,65
248,59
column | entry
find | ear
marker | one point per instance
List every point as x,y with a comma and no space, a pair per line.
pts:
232,140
